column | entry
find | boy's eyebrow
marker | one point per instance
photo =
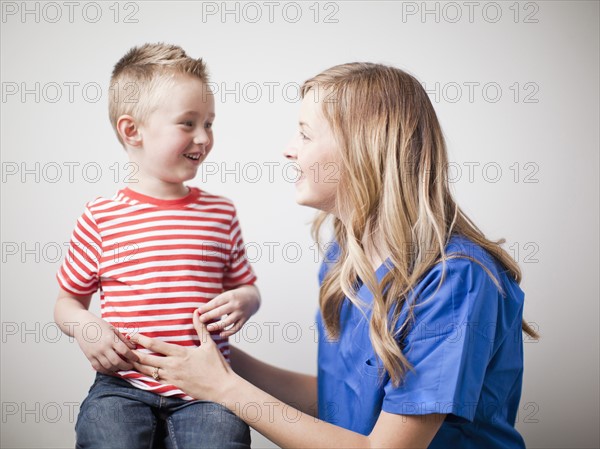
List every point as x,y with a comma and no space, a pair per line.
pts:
304,124
191,112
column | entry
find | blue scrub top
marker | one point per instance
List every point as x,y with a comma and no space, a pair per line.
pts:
465,347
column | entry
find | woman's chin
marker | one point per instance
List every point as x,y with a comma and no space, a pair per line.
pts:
312,204
302,200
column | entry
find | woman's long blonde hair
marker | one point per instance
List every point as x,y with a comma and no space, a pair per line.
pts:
394,180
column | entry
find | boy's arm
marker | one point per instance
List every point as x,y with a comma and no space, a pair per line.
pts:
230,310
102,344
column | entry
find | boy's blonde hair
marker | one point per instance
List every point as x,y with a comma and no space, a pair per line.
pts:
141,78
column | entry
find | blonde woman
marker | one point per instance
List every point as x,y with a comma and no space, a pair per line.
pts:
420,314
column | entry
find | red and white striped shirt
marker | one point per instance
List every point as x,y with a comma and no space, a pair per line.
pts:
155,261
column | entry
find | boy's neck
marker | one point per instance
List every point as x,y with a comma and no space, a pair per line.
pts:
160,190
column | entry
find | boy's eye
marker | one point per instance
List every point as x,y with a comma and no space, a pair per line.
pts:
208,125
188,123
303,136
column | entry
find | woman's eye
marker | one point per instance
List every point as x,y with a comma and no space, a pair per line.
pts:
208,125
188,124
303,136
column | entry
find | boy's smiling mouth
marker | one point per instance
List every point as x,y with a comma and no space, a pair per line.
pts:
193,156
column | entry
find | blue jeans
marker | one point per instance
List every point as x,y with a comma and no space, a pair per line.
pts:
117,415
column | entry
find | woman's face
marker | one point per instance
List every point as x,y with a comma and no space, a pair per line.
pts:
317,153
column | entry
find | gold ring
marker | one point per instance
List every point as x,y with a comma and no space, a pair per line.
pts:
155,373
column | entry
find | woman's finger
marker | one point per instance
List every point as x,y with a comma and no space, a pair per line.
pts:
156,345
203,334
150,370
149,359
126,341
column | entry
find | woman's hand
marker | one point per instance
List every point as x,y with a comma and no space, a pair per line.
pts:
200,372
203,373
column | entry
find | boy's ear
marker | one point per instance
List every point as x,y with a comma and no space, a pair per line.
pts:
129,131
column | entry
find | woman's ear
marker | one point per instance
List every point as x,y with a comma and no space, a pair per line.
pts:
129,131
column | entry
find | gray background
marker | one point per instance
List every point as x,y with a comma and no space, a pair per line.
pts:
525,167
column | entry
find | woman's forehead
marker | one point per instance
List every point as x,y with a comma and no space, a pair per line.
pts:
311,111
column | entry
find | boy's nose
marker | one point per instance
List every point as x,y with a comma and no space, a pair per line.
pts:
201,138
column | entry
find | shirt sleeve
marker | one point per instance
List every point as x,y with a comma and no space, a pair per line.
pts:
449,344
78,273
238,271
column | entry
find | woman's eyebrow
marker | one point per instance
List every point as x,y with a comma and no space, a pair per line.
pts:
304,124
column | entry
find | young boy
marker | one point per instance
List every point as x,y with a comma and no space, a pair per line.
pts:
157,250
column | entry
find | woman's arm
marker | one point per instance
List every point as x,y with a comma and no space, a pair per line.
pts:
290,428
299,390
203,373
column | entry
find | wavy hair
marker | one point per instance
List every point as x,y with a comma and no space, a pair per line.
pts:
394,180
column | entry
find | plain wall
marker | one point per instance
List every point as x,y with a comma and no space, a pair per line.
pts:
515,86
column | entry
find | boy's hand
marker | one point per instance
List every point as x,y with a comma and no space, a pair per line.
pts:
105,347
231,310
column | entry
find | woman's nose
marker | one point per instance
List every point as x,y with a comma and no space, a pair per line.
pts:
290,151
